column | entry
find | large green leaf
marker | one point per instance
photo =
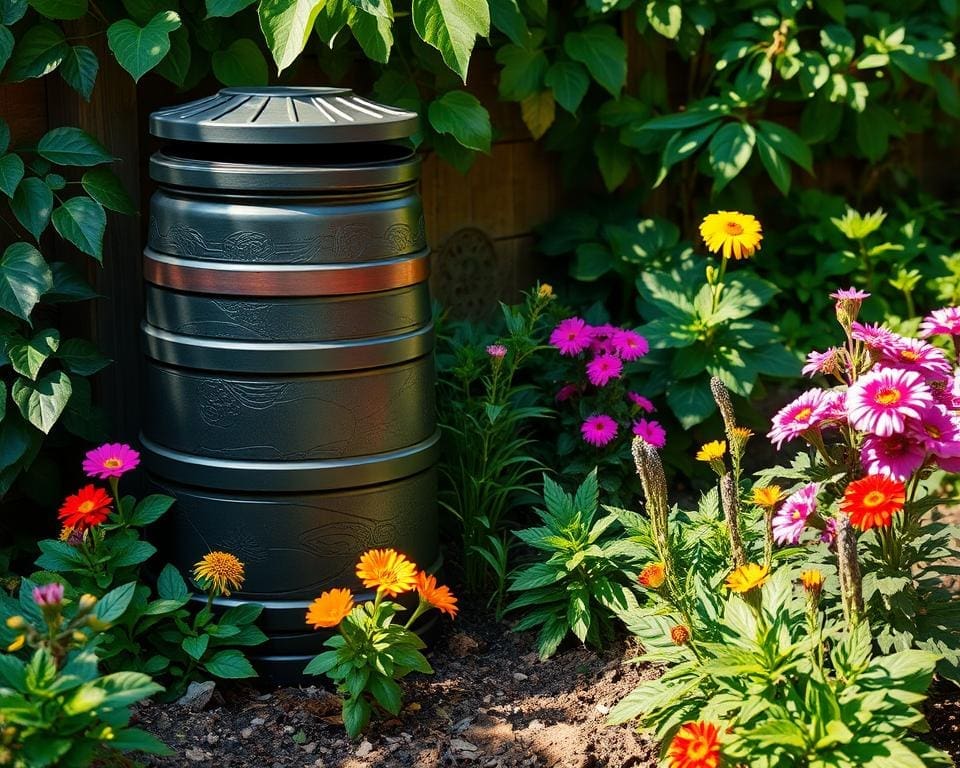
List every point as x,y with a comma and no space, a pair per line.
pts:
39,51
81,357
115,603
601,50
140,49
286,26
787,143
523,73
32,203
24,278
778,169
170,584
82,221
461,115
195,647
613,159
374,32
72,146
7,43
60,9
227,7
452,27
730,150
229,664
11,11
241,64
175,66
11,173
29,356
506,16
569,81
691,401
682,145
103,186
79,70
42,402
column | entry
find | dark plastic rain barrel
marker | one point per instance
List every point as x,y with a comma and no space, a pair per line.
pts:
289,345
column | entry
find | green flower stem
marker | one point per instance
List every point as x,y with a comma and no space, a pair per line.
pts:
422,607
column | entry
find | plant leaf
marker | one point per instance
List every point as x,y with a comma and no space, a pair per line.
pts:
38,52
241,64
72,146
79,70
460,115
286,26
24,278
11,173
569,81
601,50
82,221
140,49
452,27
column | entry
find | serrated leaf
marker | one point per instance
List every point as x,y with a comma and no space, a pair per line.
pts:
82,221
601,50
72,146
459,114
38,52
11,173
79,70
114,604
452,27
230,664
31,204
140,49
24,278
195,647
170,584
523,72
241,64
103,186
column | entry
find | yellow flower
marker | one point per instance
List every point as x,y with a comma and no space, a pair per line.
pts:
812,581
652,576
17,644
387,570
219,570
736,234
767,497
330,608
545,291
747,577
712,451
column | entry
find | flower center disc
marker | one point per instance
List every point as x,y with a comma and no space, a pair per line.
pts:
85,507
698,749
887,396
113,463
874,499
733,228
803,415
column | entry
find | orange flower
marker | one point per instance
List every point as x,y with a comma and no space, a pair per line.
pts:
680,634
812,581
440,598
387,570
873,501
696,745
767,497
652,576
220,572
330,608
86,508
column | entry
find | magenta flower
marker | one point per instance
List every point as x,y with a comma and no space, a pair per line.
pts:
945,322
915,355
48,594
791,518
571,336
602,369
601,339
497,350
850,294
882,400
896,456
110,460
794,419
641,402
823,362
938,431
874,336
599,430
650,432
630,345
566,392
829,533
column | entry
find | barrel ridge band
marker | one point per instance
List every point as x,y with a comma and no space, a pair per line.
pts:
233,279
289,476
246,356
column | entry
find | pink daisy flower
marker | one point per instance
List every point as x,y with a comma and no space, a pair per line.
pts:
850,294
599,430
882,400
823,362
566,392
602,369
650,432
874,336
896,456
791,518
110,460
571,336
601,341
945,322
938,431
630,345
915,355
641,402
795,418
497,350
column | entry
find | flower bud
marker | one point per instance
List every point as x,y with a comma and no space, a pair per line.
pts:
86,603
680,634
16,622
17,644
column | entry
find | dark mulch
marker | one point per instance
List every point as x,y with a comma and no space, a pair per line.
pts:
491,703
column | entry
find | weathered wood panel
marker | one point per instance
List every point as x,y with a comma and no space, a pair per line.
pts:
23,106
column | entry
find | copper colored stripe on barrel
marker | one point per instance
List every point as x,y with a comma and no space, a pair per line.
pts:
358,278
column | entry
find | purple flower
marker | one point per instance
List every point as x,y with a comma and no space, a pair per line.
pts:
896,456
650,432
791,518
48,594
945,322
566,392
571,336
110,460
599,430
874,336
823,362
497,351
829,533
601,339
641,402
602,369
850,294
630,345
795,418
915,355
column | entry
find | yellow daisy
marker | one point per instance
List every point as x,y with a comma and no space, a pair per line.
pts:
767,497
812,581
736,234
387,570
712,451
219,570
747,577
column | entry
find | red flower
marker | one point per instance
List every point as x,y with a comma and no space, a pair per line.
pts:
873,501
696,745
86,508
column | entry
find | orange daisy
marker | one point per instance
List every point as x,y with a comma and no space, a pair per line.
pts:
387,570
86,508
872,501
652,576
440,598
696,745
332,607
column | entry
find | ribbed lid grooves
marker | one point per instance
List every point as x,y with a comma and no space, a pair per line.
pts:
283,115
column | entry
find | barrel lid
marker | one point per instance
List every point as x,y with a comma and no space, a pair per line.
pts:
283,115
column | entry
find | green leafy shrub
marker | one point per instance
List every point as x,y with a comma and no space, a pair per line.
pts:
581,578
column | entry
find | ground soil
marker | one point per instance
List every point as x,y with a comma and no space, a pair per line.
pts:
492,703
